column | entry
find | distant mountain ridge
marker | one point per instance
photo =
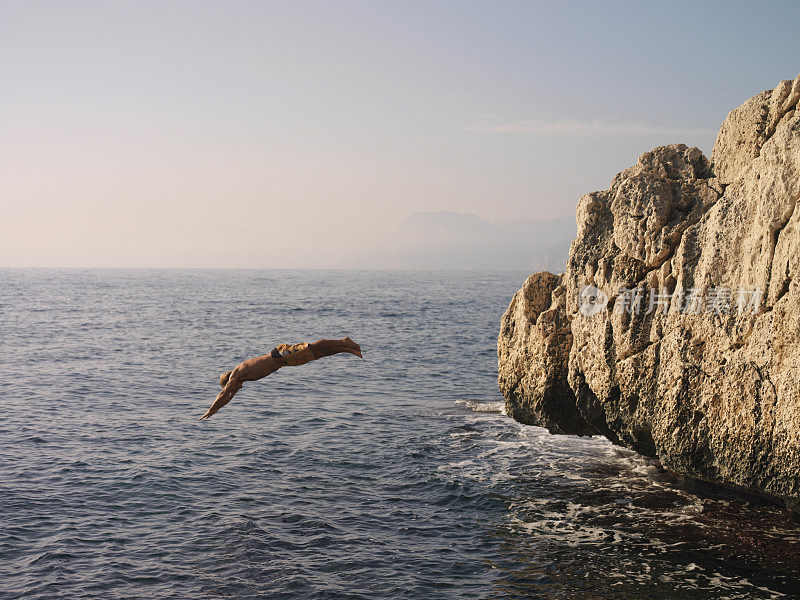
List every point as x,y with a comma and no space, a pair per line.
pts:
452,240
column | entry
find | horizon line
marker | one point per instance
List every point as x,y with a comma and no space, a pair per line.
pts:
173,268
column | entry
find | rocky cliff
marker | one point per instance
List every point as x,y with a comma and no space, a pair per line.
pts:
676,326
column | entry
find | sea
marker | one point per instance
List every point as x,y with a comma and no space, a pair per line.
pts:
393,476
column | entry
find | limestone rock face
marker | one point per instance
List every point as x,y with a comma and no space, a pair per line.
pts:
533,349
694,357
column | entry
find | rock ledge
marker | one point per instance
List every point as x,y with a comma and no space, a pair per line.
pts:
676,326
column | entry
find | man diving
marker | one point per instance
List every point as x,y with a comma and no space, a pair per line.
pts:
285,355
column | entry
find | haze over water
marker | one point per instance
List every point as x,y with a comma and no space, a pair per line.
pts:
391,477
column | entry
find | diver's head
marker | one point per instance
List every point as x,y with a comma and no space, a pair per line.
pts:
223,379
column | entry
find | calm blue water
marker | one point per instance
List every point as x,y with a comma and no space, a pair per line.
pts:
391,477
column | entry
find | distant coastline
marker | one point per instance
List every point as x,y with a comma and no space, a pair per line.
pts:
464,241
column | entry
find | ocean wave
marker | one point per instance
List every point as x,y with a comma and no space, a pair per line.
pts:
483,406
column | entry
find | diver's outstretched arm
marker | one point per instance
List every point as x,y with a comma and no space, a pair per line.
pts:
226,395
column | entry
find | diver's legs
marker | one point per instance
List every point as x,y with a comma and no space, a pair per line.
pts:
322,348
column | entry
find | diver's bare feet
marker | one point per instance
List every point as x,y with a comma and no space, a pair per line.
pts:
354,348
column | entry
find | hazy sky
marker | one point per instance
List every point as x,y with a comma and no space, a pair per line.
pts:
285,134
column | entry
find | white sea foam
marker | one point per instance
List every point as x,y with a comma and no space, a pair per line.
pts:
496,407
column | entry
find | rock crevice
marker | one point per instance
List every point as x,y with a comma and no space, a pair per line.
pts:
713,394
